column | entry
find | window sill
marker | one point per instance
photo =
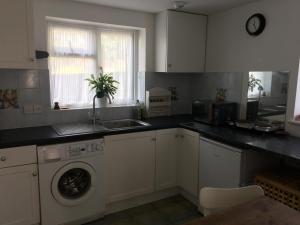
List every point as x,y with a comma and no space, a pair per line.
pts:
97,107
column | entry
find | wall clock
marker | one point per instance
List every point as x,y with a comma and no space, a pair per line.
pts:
256,24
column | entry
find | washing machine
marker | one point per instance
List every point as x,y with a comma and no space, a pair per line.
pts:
71,182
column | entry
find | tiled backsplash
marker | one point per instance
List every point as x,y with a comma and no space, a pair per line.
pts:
9,99
183,84
191,86
206,85
33,88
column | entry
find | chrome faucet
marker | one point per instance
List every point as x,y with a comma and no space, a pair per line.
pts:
94,110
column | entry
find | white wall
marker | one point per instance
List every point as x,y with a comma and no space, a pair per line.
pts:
92,13
230,48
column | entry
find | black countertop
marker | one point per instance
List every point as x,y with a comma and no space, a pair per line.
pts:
46,135
283,145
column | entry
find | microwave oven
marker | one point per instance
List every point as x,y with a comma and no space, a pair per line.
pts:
214,112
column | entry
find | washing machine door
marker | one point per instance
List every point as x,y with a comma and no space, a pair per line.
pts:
74,183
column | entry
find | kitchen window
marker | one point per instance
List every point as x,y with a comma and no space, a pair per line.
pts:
77,51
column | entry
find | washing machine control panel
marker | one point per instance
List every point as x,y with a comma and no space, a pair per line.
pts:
85,148
61,152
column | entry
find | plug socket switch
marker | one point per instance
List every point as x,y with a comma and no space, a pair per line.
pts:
27,109
37,108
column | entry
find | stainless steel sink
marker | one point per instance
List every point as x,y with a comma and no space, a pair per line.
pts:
77,128
82,128
123,124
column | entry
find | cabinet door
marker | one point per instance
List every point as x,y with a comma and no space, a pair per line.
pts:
166,158
129,165
16,34
19,203
188,161
161,43
186,42
219,165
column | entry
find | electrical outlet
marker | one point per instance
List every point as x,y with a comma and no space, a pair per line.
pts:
37,108
27,109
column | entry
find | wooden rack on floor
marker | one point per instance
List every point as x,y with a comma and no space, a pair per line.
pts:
282,185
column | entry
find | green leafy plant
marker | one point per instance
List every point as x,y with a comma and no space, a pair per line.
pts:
221,94
104,85
254,82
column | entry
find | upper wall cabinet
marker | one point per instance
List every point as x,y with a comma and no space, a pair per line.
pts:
180,42
16,50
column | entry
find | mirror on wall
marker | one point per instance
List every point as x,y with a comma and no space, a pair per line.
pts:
267,96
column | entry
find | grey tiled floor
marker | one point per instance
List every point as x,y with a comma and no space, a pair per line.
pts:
170,211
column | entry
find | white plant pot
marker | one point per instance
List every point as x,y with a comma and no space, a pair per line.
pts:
102,101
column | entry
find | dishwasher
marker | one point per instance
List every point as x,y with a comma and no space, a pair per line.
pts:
219,165
224,166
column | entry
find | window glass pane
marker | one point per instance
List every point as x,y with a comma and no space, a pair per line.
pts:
116,57
67,80
66,40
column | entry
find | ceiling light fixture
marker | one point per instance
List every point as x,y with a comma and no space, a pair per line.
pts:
179,4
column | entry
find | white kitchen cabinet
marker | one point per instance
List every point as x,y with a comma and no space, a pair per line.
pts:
129,165
19,191
187,175
16,39
166,158
19,194
180,42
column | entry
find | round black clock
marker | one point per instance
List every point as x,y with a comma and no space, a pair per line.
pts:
256,24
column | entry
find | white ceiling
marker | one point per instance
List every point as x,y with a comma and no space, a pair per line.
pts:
153,6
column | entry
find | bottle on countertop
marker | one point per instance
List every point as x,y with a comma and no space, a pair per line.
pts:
138,110
56,106
143,111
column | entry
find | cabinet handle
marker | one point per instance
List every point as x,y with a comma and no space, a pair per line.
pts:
35,173
176,135
169,65
153,139
3,158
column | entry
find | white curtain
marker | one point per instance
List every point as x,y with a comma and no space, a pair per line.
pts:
116,57
75,54
72,60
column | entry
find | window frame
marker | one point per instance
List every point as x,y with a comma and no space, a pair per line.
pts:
97,29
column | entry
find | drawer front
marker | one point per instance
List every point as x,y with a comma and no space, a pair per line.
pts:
129,136
18,156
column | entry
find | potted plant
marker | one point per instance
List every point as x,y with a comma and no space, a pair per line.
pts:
254,82
104,85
